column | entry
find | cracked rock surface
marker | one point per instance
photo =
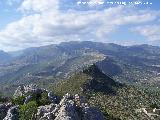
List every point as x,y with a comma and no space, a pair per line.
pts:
68,108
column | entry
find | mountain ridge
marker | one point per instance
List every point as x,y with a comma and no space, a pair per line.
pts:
137,65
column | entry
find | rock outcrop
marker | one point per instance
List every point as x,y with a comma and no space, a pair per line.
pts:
21,90
33,90
12,113
68,108
44,110
3,110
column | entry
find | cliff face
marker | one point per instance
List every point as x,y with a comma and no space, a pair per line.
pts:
70,107
12,113
3,110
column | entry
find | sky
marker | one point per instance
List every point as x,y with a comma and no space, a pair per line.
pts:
32,23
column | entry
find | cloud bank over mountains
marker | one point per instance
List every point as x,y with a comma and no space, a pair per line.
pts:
43,22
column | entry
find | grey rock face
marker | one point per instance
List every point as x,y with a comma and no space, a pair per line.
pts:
12,113
28,98
30,88
53,98
3,110
34,90
42,110
67,109
21,90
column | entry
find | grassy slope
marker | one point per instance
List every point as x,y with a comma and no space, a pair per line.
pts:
72,85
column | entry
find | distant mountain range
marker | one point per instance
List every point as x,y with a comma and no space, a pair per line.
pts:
139,64
4,57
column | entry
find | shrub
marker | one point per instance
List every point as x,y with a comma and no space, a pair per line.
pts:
19,100
27,111
44,100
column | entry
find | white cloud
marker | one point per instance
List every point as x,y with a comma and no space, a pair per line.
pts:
38,5
151,32
47,24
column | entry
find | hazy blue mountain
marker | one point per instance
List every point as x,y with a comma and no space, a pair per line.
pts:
137,64
4,57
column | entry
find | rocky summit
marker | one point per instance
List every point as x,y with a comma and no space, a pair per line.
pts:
70,107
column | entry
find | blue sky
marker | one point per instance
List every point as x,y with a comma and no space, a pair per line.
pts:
8,12
30,23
